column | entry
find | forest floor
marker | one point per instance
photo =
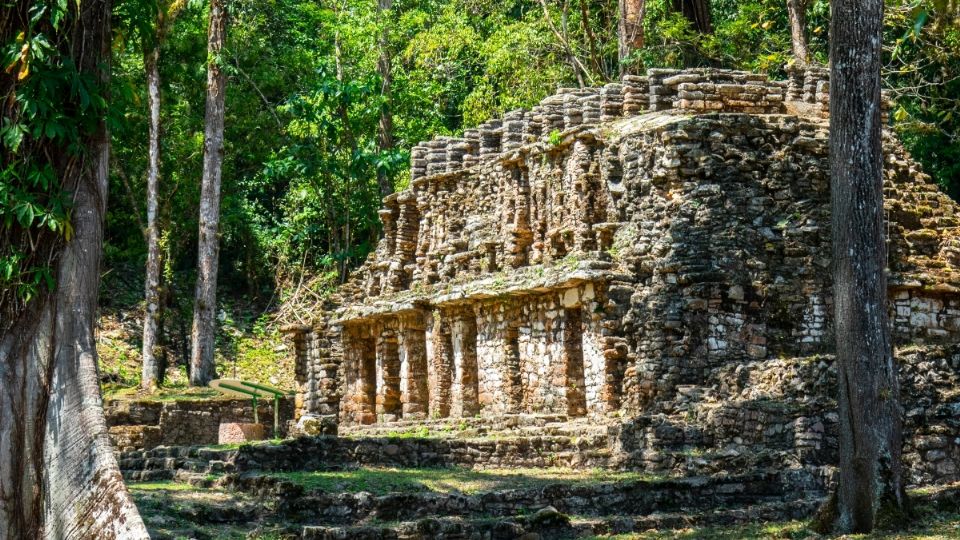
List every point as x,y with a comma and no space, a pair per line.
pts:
249,348
180,510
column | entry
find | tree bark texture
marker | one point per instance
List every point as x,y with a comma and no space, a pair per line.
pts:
630,27
385,138
870,485
58,476
151,319
202,367
797,13
697,12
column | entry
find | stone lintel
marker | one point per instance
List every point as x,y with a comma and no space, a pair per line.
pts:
474,291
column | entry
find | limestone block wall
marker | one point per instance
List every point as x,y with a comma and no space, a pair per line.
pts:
479,204
148,424
545,351
920,315
534,355
318,361
684,240
729,245
787,408
729,242
715,90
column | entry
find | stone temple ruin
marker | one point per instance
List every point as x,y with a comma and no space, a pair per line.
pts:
653,255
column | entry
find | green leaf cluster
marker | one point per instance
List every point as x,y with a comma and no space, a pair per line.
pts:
51,111
305,100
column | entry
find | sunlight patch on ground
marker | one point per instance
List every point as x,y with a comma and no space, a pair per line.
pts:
452,480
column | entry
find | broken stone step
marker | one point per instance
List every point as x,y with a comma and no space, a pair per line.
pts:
549,523
575,498
799,509
147,476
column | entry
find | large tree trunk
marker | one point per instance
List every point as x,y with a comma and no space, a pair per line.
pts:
202,367
797,12
630,30
870,475
385,136
697,12
151,319
58,475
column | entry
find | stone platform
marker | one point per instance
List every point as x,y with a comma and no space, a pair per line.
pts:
627,278
611,247
145,424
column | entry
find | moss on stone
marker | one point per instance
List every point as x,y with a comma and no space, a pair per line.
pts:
381,481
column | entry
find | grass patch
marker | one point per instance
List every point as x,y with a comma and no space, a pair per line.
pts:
248,347
167,393
235,446
381,481
167,485
933,526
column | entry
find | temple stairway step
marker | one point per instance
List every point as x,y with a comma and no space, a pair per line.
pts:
547,523
562,509
329,453
583,495
506,425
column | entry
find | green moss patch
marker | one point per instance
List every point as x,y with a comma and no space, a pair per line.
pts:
161,486
935,526
380,481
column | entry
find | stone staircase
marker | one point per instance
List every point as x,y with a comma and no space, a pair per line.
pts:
255,501
242,489
505,426
547,523
701,480
171,462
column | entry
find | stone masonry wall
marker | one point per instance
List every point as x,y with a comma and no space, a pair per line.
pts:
148,424
585,257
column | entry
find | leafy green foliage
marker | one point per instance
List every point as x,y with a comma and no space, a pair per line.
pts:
922,42
304,100
381,481
752,35
51,109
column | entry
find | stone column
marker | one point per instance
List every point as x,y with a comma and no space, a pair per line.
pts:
414,384
302,336
319,354
521,235
491,133
407,234
611,102
360,374
661,95
575,387
636,95
512,376
418,161
442,368
388,374
466,377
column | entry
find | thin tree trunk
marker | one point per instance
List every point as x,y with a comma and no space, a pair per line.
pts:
385,136
591,39
797,12
697,12
575,64
151,319
153,368
351,142
202,367
630,28
131,198
58,475
870,484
